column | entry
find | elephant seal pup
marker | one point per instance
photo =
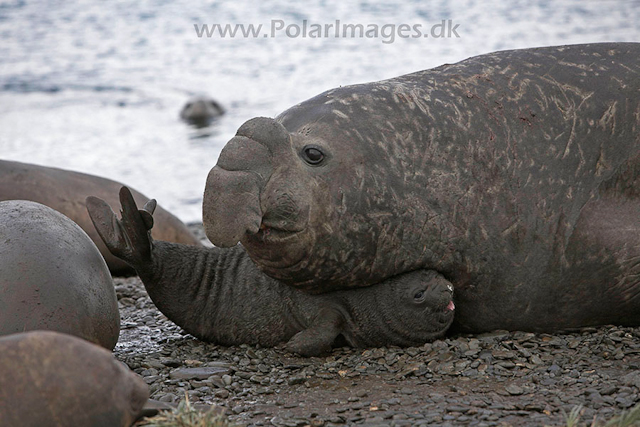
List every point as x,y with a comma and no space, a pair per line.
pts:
200,111
53,379
516,175
409,309
53,277
65,191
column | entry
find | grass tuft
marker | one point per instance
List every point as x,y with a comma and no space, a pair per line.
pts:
573,418
185,415
624,419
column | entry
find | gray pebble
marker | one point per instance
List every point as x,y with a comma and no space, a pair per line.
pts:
200,373
221,393
514,390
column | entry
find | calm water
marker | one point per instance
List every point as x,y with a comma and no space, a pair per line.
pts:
97,86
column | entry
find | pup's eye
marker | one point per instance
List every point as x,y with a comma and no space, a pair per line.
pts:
312,155
419,294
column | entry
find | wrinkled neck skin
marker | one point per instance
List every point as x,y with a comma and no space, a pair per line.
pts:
219,295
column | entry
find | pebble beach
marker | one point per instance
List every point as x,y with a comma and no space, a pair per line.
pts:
498,378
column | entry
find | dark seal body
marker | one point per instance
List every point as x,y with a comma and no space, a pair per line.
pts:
65,191
515,174
53,277
53,379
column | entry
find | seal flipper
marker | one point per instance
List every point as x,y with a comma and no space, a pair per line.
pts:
129,238
319,337
106,224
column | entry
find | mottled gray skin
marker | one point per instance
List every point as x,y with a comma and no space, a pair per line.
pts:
65,191
516,175
232,302
56,380
200,111
53,277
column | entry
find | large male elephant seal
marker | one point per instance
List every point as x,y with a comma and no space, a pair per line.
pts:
53,379
65,191
515,175
408,309
53,277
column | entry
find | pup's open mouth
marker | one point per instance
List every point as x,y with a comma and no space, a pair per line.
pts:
450,307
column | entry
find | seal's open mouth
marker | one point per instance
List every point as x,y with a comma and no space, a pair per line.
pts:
450,307
276,249
445,313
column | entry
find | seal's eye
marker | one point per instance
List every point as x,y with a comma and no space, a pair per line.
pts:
312,155
419,295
